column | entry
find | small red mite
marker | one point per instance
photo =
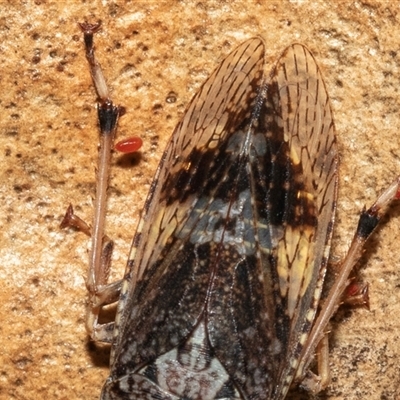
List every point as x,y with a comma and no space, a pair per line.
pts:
129,145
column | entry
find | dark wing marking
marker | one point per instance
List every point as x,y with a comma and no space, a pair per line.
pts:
167,281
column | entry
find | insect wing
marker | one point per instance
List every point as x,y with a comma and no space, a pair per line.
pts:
171,261
283,185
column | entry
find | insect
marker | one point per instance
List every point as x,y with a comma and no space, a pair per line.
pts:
222,293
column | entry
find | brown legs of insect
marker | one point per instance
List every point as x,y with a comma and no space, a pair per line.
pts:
100,293
368,221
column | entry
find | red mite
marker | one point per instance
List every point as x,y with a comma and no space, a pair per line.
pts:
129,145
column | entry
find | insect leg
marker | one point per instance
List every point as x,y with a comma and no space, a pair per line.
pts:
100,293
368,221
101,248
355,295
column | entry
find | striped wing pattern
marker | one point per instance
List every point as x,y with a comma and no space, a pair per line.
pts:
226,267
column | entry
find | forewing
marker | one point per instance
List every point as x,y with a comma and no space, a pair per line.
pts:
168,273
267,286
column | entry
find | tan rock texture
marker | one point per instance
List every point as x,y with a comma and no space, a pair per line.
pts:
48,137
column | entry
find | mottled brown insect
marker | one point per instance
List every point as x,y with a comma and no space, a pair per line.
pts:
221,296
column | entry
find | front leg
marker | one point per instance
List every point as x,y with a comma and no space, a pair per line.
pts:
100,292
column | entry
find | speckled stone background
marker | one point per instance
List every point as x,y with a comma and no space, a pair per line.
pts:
148,49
